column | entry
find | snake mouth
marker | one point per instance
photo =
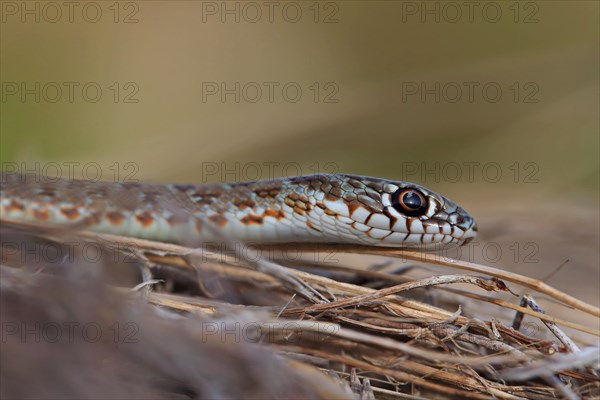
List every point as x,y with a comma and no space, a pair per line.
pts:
470,227
463,228
470,234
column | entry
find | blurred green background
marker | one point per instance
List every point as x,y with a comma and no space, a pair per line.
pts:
368,72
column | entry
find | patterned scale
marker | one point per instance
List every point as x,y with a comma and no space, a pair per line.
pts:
318,208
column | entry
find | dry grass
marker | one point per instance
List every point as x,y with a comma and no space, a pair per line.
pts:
214,324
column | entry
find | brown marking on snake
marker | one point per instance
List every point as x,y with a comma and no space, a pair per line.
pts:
203,199
305,205
354,205
15,206
393,219
49,192
311,226
431,223
346,187
145,219
371,216
330,197
239,203
71,213
316,184
409,222
268,193
349,196
243,204
356,183
252,219
115,217
301,204
326,187
298,210
288,200
377,186
373,194
275,214
262,193
321,205
218,219
337,191
93,219
329,212
41,214
370,203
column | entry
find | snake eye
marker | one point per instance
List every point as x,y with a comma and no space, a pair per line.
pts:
409,202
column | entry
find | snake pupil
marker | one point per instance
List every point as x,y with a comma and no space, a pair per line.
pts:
409,202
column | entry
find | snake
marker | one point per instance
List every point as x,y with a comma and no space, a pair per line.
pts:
320,208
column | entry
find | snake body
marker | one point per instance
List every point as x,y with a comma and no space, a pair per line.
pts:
345,209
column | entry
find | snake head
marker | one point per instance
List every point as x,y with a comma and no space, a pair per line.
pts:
427,217
399,214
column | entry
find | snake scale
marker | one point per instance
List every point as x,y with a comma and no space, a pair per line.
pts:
345,209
